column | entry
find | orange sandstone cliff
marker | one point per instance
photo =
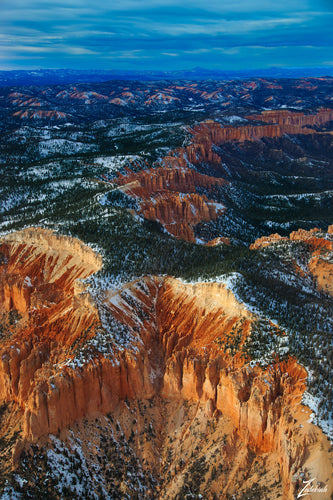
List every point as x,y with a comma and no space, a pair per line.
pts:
285,117
277,124
67,356
168,193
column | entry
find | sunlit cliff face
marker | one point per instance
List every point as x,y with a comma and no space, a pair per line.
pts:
67,356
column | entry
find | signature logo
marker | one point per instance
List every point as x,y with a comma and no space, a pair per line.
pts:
311,487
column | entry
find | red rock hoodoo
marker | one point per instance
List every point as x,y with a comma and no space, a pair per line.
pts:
284,117
61,360
168,194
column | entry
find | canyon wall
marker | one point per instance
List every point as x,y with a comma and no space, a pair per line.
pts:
279,123
214,133
285,117
39,368
45,309
51,364
68,357
167,194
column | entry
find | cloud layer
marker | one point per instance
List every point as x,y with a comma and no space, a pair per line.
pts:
162,34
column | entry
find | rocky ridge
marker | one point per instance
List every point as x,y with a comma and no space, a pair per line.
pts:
171,193
279,123
67,357
320,247
112,97
167,194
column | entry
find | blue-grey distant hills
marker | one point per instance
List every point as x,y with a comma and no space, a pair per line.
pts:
59,76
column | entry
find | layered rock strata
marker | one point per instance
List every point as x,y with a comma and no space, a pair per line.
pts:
277,124
65,358
168,195
285,117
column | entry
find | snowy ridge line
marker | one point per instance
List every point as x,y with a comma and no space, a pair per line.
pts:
312,402
298,196
93,246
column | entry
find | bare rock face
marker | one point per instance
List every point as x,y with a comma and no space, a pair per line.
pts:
221,240
189,331
276,124
66,357
51,366
320,246
266,241
38,266
302,234
168,195
285,117
214,133
39,283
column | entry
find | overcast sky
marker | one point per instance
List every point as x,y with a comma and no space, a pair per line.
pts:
165,34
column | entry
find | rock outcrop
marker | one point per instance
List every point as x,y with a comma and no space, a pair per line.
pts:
266,241
320,248
167,194
284,117
278,123
68,357
218,241
52,311
190,330
214,133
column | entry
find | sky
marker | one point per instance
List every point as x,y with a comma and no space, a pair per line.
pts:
165,34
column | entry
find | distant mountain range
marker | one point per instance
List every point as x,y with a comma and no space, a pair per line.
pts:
61,76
